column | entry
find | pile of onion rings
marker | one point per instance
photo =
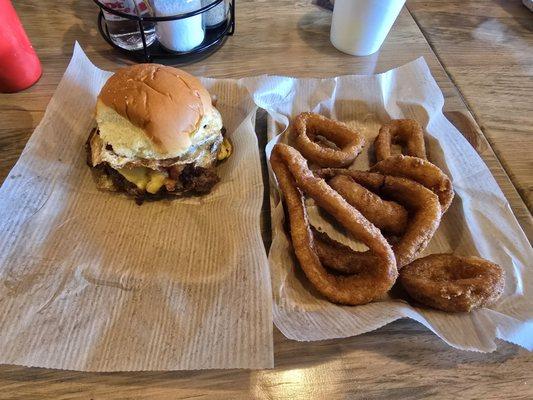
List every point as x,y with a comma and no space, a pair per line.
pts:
402,197
294,177
422,204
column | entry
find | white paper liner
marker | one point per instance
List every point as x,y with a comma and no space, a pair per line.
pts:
70,301
479,222
90,281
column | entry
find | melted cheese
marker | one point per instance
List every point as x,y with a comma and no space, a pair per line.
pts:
225,150
157,179
144,178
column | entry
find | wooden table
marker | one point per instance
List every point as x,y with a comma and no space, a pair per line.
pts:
401,360
486,47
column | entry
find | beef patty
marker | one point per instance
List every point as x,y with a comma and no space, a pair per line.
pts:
183,179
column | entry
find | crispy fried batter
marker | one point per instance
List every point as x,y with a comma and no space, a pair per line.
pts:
341,258
404,195
426,212
369,284
388,216
407,132
308,126
452,283
421,171
422,204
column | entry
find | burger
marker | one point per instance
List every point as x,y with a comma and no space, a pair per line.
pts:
157,134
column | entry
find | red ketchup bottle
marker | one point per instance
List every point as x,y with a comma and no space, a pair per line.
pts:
19,66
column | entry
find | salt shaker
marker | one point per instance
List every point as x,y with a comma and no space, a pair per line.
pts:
182,34
216,15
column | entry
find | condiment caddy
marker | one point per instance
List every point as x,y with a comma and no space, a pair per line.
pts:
180,31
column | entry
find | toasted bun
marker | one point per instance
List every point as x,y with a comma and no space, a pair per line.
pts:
153,111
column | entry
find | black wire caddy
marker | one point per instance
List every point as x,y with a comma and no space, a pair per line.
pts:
214,38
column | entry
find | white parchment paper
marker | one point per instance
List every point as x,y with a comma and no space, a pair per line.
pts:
91,281
479,222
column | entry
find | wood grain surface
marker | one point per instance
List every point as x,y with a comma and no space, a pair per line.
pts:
487,49
401,360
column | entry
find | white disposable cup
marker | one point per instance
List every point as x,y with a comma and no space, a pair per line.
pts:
359,27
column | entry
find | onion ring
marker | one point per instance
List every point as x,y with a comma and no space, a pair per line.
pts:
339,257
407,132
388,216
452,283
369,284
422,204
426,214
307,126
421,171
371,180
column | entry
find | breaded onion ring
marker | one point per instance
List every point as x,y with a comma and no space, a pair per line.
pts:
406,132
388,216
339,257
307,126
369,284
426,212
421,171
371,181
452,283
422,204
